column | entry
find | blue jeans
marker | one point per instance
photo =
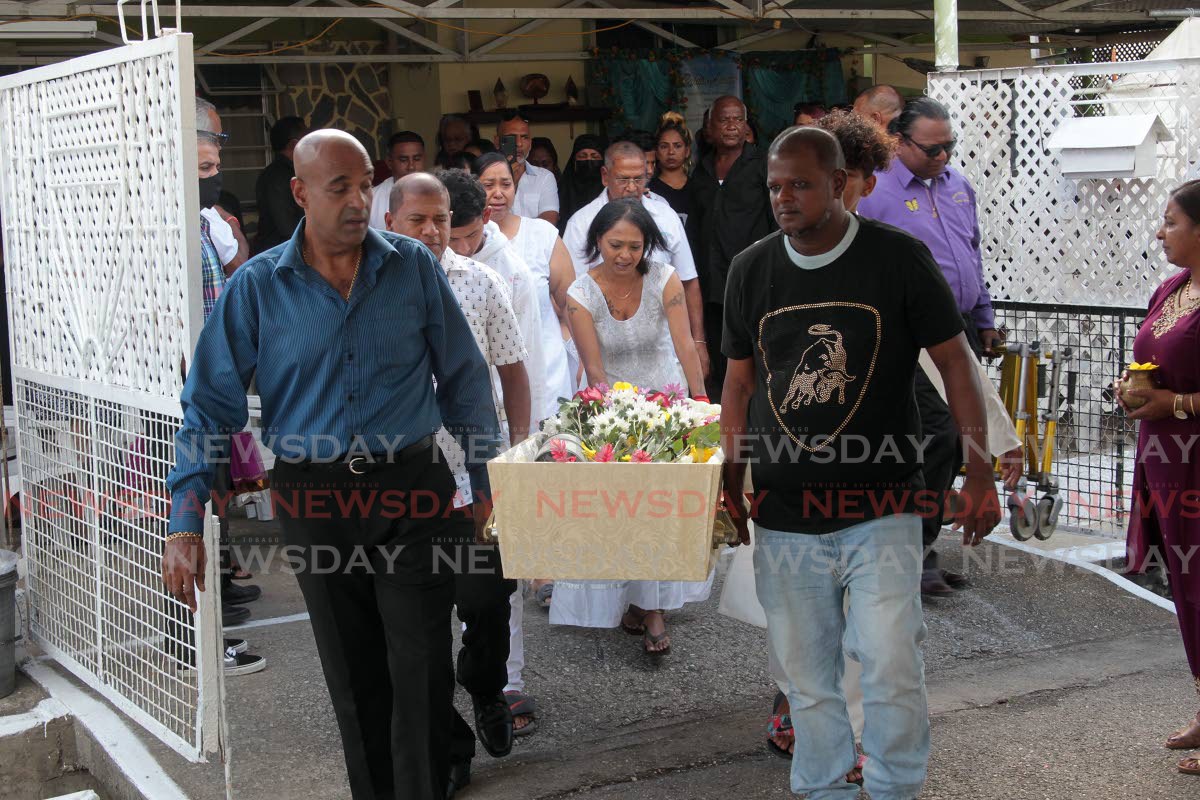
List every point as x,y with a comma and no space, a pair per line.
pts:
801,580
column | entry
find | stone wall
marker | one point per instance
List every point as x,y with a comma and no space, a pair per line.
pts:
352,97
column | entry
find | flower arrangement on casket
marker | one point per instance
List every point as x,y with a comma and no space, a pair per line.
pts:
623,484
625,423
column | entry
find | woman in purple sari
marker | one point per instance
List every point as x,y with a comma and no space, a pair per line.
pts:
1165,523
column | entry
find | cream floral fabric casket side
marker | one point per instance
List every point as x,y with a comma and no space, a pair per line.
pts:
611,521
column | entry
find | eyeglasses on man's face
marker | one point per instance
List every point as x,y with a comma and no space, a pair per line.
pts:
934,150
638,181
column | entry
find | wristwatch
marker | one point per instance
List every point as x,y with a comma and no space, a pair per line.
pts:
1178,406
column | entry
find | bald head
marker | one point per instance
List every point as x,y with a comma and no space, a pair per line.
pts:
880,104
820,143
416,184
419,206
319,148
333,186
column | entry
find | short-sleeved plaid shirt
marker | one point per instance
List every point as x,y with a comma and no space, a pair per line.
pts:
210,265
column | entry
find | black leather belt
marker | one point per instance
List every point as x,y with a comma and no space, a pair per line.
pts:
365,463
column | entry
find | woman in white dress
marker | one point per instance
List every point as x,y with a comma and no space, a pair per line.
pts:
630,324
537,242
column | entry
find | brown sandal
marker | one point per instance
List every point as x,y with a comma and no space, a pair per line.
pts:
1185,738
1190,766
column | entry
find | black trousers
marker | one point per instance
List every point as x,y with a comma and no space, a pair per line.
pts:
368,548
943,457
714,325
481,595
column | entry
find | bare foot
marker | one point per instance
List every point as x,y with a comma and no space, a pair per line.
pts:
656,639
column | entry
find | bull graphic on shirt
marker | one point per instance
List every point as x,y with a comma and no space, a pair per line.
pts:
821,372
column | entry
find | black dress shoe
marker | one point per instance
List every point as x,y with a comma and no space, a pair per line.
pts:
236,594
934,585
494,724
954,580
460,778
233,615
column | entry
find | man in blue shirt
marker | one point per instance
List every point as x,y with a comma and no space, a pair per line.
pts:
345,330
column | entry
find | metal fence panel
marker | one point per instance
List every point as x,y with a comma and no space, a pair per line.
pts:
101,241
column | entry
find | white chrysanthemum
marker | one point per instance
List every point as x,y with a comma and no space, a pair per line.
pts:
551,426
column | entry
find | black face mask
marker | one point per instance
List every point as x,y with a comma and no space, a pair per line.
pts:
210,190
588,169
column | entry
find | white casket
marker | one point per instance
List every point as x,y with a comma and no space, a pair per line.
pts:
612,521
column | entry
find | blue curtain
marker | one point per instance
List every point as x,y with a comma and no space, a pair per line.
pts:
775,82
640,88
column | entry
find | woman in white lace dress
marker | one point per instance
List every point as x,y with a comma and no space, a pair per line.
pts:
630,323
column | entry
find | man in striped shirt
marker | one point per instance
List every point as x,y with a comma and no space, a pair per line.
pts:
345,330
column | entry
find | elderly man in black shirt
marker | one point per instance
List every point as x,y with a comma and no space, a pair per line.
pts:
730,212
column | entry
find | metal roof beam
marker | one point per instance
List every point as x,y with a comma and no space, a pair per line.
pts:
397,10
400,30
246,30
1066,5
503,39
649,26
754,38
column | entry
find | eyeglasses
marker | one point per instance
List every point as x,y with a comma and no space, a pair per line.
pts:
933,150
638,181
218,138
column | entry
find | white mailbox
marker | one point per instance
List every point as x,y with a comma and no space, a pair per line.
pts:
1109,147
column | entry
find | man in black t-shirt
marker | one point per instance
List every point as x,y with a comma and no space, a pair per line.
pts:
823,324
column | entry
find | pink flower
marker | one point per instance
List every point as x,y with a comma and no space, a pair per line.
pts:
604,454
640,457
558,451
674,391
590,395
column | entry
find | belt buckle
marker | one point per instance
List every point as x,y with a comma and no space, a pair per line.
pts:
353,468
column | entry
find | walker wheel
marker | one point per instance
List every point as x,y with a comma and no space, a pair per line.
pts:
1022,517
1048,509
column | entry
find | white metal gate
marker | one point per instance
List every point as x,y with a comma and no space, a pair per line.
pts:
101,243
1076,260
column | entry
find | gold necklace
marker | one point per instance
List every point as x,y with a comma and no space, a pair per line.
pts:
1175,309
307,256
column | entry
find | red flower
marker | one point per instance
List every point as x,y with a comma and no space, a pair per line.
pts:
604,454
558,451
661,398
640,457
590,395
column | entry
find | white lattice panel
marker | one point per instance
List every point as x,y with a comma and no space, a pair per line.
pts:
94,222
1047,238
101,242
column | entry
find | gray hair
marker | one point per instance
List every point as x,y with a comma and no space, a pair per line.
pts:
622,149
203,107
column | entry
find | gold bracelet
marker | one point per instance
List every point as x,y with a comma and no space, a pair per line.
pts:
185,535
1191,404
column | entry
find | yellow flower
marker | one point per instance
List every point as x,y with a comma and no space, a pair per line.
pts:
701,455
622,386
624,458
1149,365
589,452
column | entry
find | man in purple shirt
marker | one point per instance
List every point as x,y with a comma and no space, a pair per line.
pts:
925,197
921,194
